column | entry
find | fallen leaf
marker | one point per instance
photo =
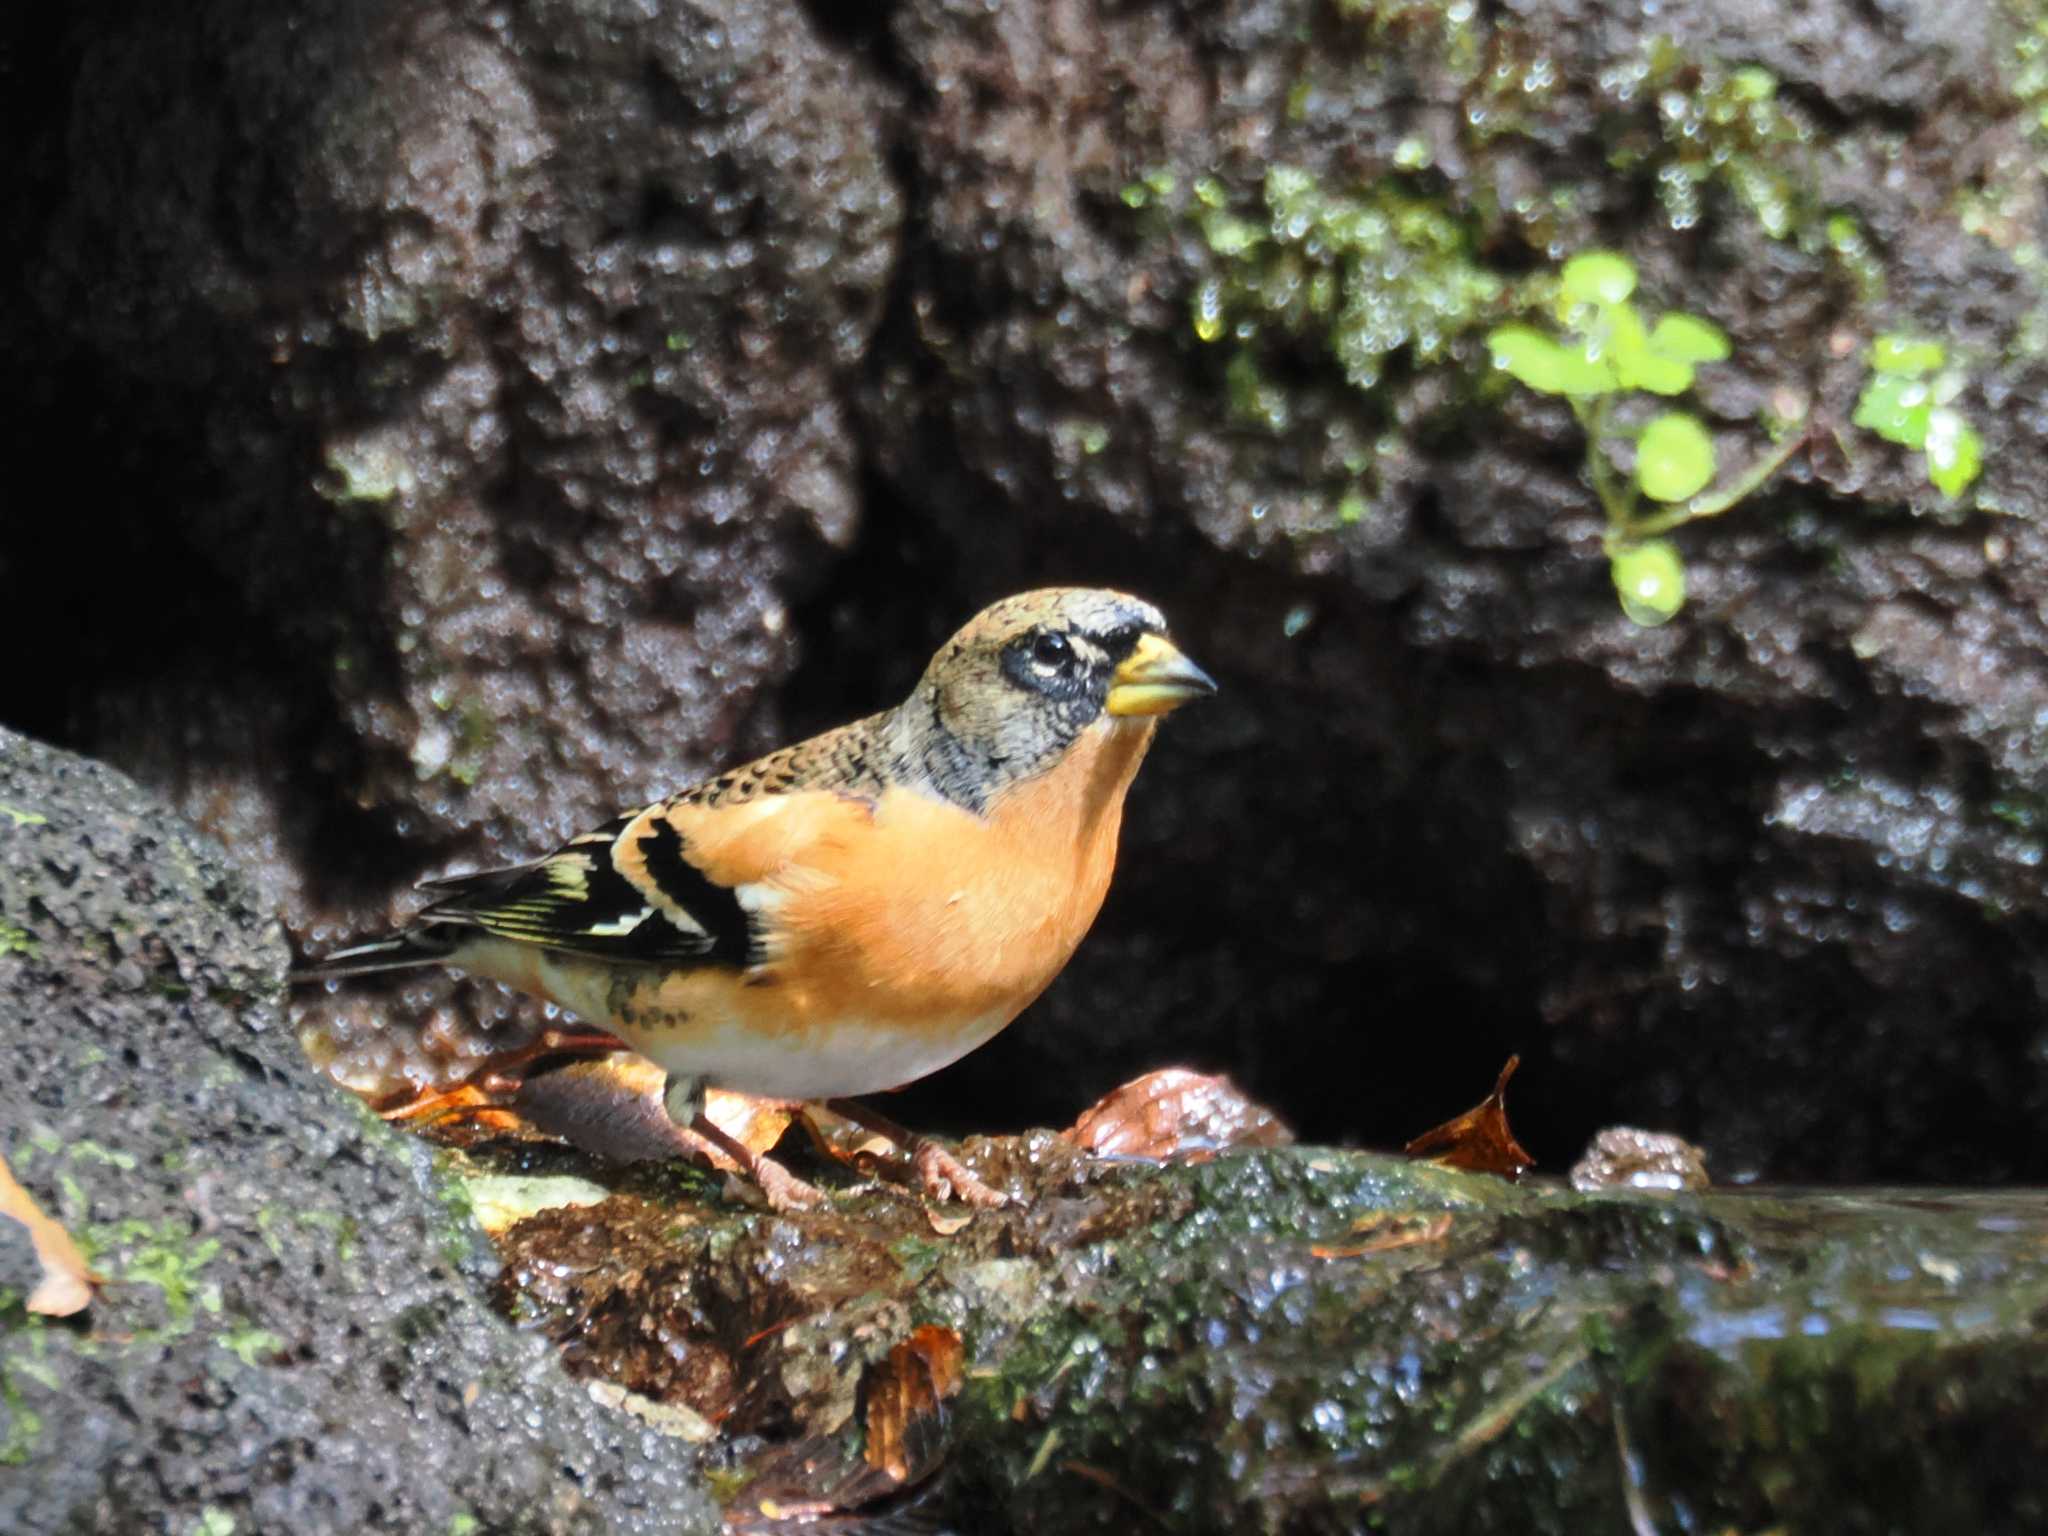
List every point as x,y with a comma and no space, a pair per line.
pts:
501,1201
1478,1140
1402,1231
945,1224
1623,1157
1175,1113
904,1393
67,1282
757,1124
466,1102
842,1141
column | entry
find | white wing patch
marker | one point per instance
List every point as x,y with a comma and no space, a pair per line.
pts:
620,927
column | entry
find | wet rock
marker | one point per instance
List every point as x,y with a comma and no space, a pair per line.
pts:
1310,1340
291,1335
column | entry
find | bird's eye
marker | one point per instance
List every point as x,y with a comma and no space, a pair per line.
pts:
1050,649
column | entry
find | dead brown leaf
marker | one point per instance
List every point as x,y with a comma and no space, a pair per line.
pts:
840,1140
67,1282
757,1124
1176,1113
1401,1231
1478,1140
903,1396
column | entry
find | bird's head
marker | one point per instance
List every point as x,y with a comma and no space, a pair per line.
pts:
1025,677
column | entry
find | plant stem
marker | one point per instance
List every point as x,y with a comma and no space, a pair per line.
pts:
1619,502
1714,503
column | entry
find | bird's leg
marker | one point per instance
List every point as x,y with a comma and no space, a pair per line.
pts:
939,1171
785,1191
684,1101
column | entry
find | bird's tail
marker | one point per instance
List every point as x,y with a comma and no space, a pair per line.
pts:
399,952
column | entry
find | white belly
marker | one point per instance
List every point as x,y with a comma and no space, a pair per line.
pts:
847,1060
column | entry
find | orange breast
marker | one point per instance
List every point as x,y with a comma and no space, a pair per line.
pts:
923,916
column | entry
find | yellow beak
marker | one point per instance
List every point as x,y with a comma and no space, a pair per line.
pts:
1154,679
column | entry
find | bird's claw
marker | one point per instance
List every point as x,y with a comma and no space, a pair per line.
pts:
944,1176
783,1190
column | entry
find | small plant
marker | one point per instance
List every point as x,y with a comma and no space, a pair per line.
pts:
1606,351
1909,401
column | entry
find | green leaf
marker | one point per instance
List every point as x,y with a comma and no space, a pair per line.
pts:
1649,578
1636,362
1895,353
1624,334
1896,407
1689,339
1586,375
1674,457
1529,355
1955,453
1599,277
1659,375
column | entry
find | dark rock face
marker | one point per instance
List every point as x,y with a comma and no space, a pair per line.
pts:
503,349
291,1336
1769,875
482,418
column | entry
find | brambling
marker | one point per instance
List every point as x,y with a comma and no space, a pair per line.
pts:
851,913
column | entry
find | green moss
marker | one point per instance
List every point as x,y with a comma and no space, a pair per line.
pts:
1449,29
474,731
40,1142
2028,82
1360,273
461,1230
370,468
1726,127
1306,294
93,1152
246,1341
17,941
21,1427
24,818
165,1255
1850,247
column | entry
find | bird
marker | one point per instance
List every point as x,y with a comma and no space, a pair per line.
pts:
853,912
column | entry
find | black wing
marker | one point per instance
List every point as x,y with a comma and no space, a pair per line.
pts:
577,901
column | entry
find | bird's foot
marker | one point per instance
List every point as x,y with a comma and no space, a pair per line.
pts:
942,1175
783,1190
